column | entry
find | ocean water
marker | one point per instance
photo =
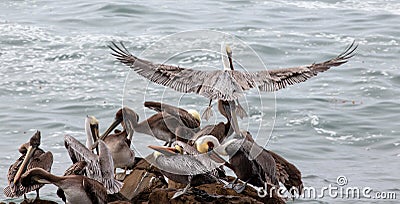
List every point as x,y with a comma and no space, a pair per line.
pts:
56,68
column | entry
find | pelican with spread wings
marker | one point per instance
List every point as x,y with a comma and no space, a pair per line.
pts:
227,84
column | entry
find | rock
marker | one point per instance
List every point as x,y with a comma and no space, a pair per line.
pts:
211,193
146,184
175,185
37,201
120,202
138,185
196,196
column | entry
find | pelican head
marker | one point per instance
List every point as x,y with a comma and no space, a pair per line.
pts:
229,53
206,143
124,116
195,114
92,130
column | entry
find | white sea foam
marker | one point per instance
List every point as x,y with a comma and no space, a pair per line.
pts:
381,6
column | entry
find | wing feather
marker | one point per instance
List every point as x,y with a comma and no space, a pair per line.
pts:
273,80
79,152
175,77
107,169
186,164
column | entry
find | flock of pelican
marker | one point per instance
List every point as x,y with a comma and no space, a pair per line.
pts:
191,155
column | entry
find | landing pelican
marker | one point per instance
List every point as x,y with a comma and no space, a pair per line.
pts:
227,84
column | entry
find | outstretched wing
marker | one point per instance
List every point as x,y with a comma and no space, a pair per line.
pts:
178,78
273,80
78,152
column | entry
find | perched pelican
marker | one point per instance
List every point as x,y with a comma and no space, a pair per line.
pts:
180,122
119,146
77,168
32,157
181,167
161,125
118,143
99,167
286,173
77,188
227,84
265,166
254,169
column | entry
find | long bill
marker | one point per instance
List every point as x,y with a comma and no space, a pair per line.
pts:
113,125
22,168
168,151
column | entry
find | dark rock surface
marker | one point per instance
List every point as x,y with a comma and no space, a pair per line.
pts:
145,184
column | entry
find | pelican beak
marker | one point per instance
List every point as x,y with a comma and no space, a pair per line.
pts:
113,125
95,135
42,181
22,168
168,151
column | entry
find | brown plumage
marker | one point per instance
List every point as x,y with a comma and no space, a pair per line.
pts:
286,173
248,160
179,122
32,157
161,125
77,168
77,188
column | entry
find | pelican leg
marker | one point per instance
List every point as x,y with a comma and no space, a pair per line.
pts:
239,188
208,112
240,110
166,143
121,176
231,185
37,194
181,192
